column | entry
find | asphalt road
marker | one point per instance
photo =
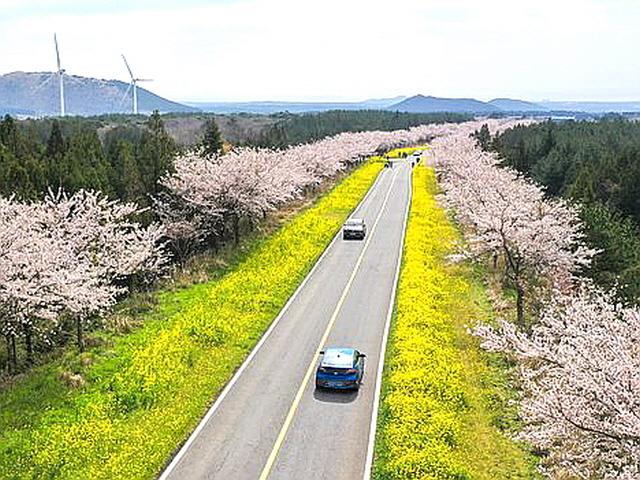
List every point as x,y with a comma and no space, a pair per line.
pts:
272,423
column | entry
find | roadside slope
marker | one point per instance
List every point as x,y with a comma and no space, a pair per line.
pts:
147,390
442,398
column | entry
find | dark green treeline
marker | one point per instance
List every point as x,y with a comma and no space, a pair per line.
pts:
124,160
598,165
294,129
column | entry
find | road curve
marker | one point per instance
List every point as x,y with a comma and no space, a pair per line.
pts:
327,436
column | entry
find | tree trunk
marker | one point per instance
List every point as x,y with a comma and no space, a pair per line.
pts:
13,361
236,229
79,334
520,303
28,340
10,366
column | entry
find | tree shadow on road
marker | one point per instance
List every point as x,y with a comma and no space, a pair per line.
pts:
335,396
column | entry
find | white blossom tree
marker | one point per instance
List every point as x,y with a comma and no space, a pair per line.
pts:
103,246
579,362
509,216
205,197
580,374
68,255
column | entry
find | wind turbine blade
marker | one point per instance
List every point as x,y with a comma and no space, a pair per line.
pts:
44,82
144,79
71,78
128,67
55,40
126,94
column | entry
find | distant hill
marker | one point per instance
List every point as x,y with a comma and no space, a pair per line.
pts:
422,104
513,105
13,111
268,107
36,93
383,102
593,107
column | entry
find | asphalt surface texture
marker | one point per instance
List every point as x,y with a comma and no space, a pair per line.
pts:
274,423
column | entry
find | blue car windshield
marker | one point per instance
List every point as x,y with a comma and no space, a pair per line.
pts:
338,358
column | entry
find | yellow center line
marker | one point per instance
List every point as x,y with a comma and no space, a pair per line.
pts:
296,401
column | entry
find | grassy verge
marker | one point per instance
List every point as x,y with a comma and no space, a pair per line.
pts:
147,390
444,402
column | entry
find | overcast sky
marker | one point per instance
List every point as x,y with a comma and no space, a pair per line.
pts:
233,50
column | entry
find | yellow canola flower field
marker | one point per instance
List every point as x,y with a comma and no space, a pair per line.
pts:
442,397
145,395
398,153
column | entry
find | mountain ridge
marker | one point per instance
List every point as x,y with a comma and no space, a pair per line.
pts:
516,105
37,93
430,104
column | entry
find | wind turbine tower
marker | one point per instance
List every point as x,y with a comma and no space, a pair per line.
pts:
134,85
60,75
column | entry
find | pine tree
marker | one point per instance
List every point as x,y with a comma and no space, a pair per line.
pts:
54,156
9,134
483,137
132,188
212,139
156,153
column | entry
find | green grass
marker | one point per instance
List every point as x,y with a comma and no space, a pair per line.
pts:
147,390
445,410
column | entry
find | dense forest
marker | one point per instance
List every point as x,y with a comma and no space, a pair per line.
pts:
124,156
293,129
596,164
123,161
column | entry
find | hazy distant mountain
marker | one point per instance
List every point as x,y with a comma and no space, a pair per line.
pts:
422,104
38,94
268,107
593,107
383,102
514,105
15,111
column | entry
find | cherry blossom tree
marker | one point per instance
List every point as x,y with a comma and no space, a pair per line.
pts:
510,217
68,255
103,246
29,268
580,374
579,362
205,198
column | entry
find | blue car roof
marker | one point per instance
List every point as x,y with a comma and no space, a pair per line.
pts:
338,357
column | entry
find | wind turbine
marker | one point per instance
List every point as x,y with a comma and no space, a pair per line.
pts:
134,85
60,75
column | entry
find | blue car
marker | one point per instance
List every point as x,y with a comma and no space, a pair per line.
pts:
340,368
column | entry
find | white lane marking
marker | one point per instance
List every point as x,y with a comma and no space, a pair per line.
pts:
183,450
383,350
296,401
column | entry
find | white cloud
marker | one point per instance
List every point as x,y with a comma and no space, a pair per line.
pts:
355,49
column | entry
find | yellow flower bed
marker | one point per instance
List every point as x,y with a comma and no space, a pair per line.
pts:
146,394
438,388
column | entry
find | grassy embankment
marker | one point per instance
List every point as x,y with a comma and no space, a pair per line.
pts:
146,391
444,405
